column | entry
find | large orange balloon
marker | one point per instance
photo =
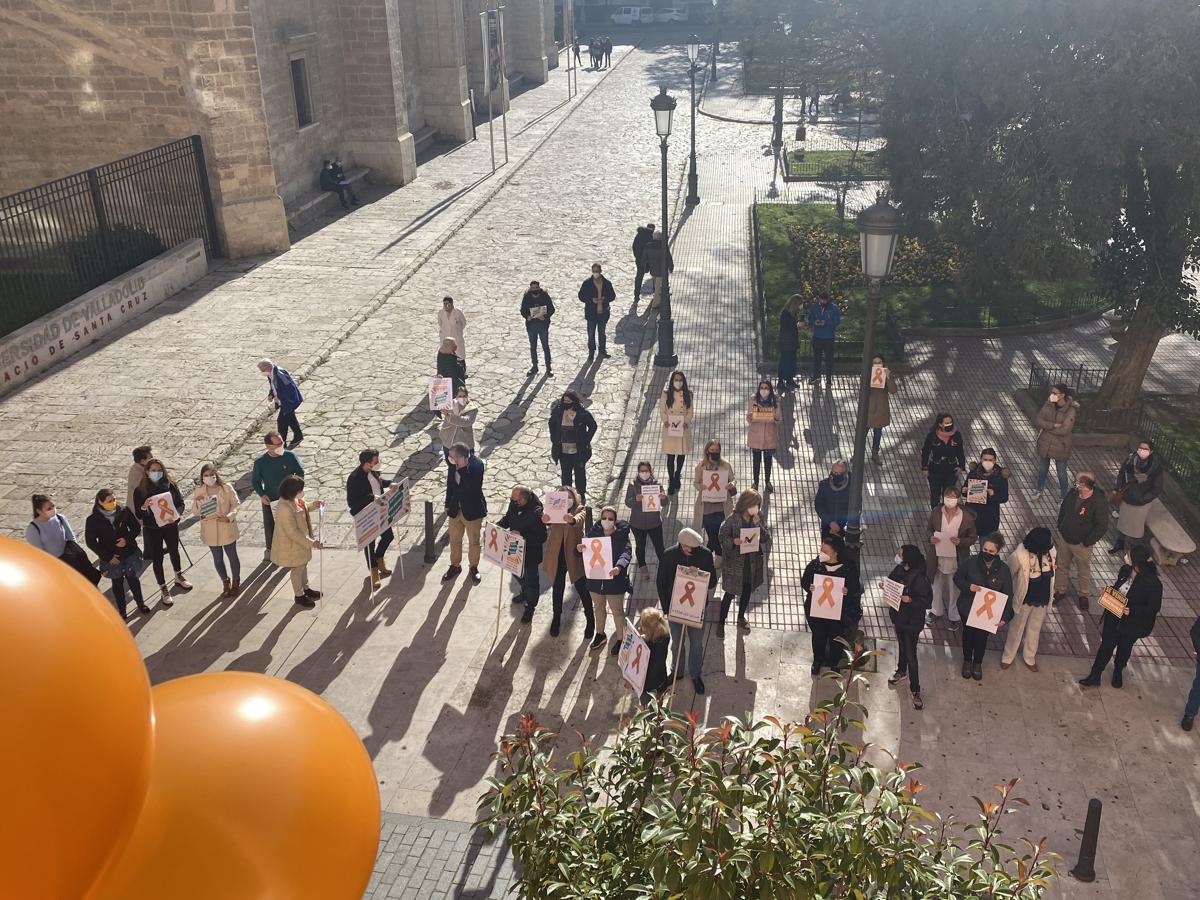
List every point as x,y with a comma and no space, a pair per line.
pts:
76,734
259,790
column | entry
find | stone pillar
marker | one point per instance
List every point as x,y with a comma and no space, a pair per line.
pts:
377,111
443,56
475,60
550,21
526,34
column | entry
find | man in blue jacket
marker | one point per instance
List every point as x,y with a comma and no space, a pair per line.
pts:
466,508
823,318
287,398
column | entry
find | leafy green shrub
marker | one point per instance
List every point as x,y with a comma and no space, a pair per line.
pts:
762,810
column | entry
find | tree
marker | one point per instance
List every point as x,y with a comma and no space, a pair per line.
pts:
762,810
1045,138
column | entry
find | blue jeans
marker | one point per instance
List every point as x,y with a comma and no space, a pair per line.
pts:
538,330
1061,466
695,648
1193,701
596,327
230,550
876,437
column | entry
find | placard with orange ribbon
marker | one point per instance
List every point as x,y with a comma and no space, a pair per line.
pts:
714,485
597,557
986,610
162,507
634,659
494,544
689,596
826,597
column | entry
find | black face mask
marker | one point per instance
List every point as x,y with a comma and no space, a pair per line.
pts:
716,455
568,404
988,558
838,479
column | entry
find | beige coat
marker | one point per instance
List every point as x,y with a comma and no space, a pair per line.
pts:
698,480
1024,565
458,425
677,445
879,411
762,435
966,537
1056,424
292,544
213,532
558,534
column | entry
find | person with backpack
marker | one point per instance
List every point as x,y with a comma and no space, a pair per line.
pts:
161,540
111,532
50,531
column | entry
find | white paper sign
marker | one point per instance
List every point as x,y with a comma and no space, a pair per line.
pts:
688,596
441,393
944,546
879,376
986,610
162,507
674,426
751,542
714,485
827,597
399,502
514,553
893,591
494,544
651,498
368,522
558,506
208,506
977,489
537,312
634,659
597,557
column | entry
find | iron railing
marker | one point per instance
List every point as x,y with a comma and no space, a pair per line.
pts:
61,239
1080,379
1179,456
1008,311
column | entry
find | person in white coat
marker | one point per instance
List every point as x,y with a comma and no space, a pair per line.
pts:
451,323
1032,566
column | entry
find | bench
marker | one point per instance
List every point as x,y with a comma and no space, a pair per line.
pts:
1167,537
319,201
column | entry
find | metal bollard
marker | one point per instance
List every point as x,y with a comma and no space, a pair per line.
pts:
429,535
1085,868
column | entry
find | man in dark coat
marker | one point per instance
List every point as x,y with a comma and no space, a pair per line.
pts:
286,396
1082,522
466,508
364,486
607,47
652,263
536,309
597,296
690,551
833,500
645,234
334,180
524,516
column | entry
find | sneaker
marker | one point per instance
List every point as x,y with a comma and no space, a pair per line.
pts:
918,703
451,573
698,685
311,594
527,616
165,596
532,371
953,625
598,641
1186,722
616,647
743,624
305,602
182,583
474,575
898,677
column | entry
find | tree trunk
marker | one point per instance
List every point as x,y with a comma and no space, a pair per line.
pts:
1122,387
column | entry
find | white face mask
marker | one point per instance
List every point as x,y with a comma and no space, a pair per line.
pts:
678,385
643,476
988,465
898,560
608,524
950,502
764,394
824,557
752,511
210,480
1054,398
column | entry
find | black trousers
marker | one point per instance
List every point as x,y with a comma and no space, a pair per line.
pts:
940,478
118,589
906,662
559,588
286,420
743,598
374,551
822,348
268,524
675,468
639,542
826,650
763,459
974,644
574,473
1110,640
638,278
162,541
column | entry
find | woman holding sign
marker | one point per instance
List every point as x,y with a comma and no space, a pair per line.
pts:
159,505
985,491
606,554
676,411
745,543
449,365
714,494
837,612
912,596
294,542
645,497
951,534
879,409
762,432
458,423
565,520
985,604
1139,586
216,503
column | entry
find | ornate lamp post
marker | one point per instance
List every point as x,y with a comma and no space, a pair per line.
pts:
663,105
693,52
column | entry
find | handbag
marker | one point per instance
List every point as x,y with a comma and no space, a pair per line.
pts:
75,557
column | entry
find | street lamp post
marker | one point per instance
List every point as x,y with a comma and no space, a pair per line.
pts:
878,229
663,105
716,44
693,52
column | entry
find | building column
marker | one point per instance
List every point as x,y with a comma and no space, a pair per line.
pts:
526,34
443,61
476,57
549,20
378,133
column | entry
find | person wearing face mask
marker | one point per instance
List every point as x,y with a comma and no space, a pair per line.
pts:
645,523
1138,580
823,318
267,474
571,431
449,365
690,552
141,456
597,296
161,540
942,457
219,530
832,560
285,394
364,486
111,532
1056,421
451,323
742,573
676,407
983,571
1082,521
709,514
789,341
833,499
987,514
948,519
879,407
1139,482
466,508
1032,567
50,531
562,560
524,516
458,423
608,594
294,541
537,309
909,620
762,433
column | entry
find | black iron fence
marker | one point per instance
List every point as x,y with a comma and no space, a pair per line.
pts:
1180,455
1080,379
61,239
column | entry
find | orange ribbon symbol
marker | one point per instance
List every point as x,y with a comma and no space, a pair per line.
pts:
689,589
165,513
826,593
714,483
492,540
636,665
597,559
988,599
877,379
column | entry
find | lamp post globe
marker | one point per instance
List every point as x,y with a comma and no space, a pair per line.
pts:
878,232
663,105
693,49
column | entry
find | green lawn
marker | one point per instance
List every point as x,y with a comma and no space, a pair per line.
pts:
822,163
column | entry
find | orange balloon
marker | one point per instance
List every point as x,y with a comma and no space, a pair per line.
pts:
76,733
259,790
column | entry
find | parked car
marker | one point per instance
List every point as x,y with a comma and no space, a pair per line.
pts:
671,14
633,15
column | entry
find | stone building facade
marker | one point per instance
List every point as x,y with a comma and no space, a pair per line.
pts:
271,86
